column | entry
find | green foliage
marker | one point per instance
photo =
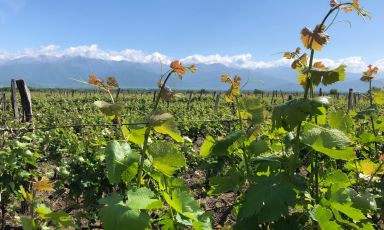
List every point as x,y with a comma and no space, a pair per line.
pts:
142,199
333,91
134,135
221,184
120,161
279,179
340,120
252,109
166,158
183,203
258,147
378,96
331,142
268,199
328,77
223,146
58,218
323,216
116,214
165,124
109,109
292,113
329,138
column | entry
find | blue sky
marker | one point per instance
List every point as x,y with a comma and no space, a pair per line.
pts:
181,28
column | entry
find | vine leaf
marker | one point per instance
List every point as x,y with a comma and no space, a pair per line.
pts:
314,39
300,64
223,146
166,158
43,185
59,218
326,77
183,203
109,109
266,200
134,134
252,109
221,184
331,138
165,124
378,96
292,113
117,215
120,162
234,90
323,216
206,148
142,198
341,121
331,142
346,208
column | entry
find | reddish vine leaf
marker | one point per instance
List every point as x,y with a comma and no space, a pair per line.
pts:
234,91
43,185
292,55
314,39
370,73
178,68
319,65
301,63
111,81
326,77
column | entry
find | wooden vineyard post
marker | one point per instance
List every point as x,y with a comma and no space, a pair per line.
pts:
4,102
282,95
154,96
217,100
117,93
13,100
189,100
289,97
273,97
350,99
26,101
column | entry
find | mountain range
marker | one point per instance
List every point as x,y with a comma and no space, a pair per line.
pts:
59,72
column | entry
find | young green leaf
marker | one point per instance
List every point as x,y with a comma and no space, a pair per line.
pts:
166,158
109,109
183,203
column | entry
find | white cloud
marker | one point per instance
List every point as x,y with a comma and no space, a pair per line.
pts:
240,61
354,64
89,51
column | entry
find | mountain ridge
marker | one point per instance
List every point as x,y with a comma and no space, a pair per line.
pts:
56,72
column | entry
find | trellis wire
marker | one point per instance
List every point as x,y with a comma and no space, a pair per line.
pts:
104,125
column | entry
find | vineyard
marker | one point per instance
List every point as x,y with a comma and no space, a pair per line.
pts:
109,158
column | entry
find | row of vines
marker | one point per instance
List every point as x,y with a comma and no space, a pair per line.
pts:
308,163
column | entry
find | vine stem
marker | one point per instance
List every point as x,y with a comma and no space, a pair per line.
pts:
111,96
246,158
371,117
309,88
308,85
148,129
377,170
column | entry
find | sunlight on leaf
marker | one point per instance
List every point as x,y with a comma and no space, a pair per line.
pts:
314,39
43,185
